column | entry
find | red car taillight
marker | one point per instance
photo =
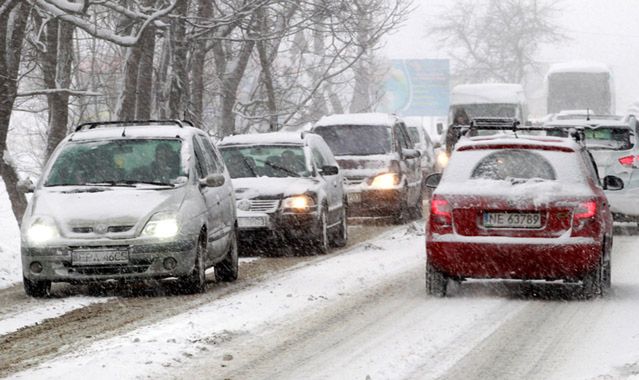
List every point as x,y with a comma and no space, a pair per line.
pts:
629,161
441,216
583,214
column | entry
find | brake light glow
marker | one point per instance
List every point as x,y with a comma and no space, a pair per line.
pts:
440,207
585,210
628,161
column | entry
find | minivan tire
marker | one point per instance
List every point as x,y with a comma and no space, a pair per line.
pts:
341,236
196,281
36,288
227,270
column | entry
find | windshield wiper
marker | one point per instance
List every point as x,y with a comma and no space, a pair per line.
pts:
105,183
288,171
136,182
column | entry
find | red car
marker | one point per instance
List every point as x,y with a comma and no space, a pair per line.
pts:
528,208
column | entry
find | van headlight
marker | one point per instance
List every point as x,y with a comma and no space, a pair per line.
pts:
42,231
162,225
385,181
298,203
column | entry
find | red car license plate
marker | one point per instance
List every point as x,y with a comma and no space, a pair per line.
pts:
512,220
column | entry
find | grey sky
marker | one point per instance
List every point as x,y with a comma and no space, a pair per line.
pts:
602,30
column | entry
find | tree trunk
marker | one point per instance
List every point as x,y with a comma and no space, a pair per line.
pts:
59,102
196,109
267,76
179,77
145,74
13,23
230,85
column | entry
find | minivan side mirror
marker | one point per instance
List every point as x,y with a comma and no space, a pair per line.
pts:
432,181
213,180
612,183
329,170
411,153
440,128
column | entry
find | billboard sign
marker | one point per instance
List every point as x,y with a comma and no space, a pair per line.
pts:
417,87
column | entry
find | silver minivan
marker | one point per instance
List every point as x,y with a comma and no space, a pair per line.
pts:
130,200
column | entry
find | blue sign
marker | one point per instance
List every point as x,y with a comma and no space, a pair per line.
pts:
417,87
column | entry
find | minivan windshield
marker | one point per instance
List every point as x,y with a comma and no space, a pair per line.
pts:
265,161
356,140
118,162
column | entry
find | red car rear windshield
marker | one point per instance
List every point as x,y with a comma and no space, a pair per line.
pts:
513,163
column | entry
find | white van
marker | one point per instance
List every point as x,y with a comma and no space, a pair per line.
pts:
505,100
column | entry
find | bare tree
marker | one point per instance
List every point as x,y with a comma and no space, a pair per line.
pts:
496,40
14,15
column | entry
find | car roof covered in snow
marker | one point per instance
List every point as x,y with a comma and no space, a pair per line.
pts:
132,131
485,93
358,119
288,138
587,124
509,141
579,67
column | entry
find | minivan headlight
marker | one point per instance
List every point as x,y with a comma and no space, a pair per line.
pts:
42,230
162,225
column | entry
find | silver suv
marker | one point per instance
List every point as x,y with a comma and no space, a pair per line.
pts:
131,200
613,145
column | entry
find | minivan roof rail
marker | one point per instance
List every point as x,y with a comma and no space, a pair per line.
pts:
125,123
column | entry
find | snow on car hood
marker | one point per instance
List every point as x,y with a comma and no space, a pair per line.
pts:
87,207
249,188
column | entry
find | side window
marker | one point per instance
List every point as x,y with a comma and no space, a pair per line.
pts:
205,158
400,135
212,159
200,165
326,152
318,158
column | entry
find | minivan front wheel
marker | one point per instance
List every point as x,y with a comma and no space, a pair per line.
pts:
36,288
227,270
196,281
341,237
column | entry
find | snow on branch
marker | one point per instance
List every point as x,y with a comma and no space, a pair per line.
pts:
51,7
58,91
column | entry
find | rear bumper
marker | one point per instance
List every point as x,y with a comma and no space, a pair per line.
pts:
513,258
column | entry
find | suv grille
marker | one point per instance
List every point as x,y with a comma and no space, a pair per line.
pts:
353,180
264,205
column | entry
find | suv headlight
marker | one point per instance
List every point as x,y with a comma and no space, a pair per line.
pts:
42,230
298,203
385,181
162,225
442,158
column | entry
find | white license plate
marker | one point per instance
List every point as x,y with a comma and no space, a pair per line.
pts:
100,257
354,197
512,220
252,221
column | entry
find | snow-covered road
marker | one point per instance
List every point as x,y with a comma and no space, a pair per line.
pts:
364,314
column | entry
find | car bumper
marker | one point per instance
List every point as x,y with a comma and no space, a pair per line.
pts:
374,203
289,226
146,260
513,258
